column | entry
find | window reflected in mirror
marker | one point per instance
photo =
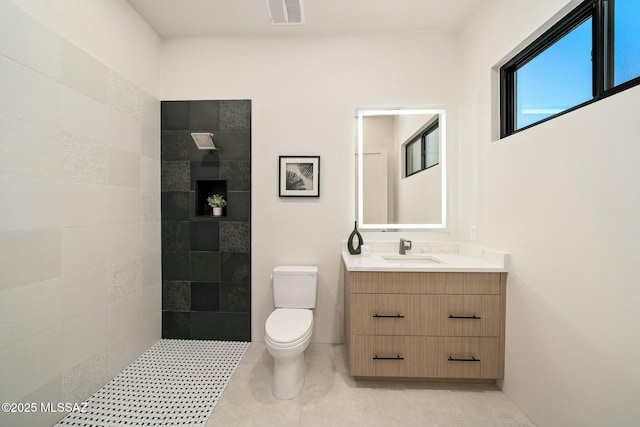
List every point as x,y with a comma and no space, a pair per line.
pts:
423,150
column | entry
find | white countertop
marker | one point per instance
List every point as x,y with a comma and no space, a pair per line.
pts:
456,258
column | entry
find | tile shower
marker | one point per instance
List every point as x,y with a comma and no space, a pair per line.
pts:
206,260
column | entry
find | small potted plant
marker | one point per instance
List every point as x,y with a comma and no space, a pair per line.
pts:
217,202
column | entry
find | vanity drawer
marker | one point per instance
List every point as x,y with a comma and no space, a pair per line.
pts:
391,282
471,316
467,357
383,356
389,314
436,315
427,357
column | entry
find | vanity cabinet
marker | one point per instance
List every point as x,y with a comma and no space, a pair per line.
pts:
425,324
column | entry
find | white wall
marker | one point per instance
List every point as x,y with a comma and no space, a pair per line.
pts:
304,93
562,199
80,289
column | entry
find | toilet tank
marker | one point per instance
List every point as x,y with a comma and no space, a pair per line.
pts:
295,286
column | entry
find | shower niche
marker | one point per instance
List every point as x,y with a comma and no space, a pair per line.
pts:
205,188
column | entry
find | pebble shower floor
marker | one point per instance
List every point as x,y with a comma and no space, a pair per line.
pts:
173,383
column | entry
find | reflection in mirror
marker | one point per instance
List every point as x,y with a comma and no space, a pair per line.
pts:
401,169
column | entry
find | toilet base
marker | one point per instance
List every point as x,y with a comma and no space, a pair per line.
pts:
288,376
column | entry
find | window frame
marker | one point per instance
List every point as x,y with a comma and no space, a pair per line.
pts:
602,61
421,138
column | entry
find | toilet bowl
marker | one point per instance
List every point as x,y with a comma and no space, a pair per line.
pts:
287,336
288,329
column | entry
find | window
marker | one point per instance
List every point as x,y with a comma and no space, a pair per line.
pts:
626,42
423,151
593,52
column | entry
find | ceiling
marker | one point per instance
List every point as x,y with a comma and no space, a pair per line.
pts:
185,18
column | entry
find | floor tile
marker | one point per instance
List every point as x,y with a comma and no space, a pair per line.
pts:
175,382
331,397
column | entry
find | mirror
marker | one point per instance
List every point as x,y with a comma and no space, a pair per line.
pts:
401,169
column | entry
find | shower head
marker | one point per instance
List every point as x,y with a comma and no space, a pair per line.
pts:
204,141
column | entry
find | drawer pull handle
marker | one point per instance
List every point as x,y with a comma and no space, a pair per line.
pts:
398,357
474,317
386,316
473,359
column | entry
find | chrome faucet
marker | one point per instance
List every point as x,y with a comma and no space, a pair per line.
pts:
404,245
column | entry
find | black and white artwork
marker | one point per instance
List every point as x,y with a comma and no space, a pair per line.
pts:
299,176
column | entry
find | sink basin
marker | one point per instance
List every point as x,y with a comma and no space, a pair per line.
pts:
411,258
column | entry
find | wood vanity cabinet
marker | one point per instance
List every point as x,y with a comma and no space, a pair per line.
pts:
425,325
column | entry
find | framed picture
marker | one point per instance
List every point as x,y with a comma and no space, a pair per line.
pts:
299,176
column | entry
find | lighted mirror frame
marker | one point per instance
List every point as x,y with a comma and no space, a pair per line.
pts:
360,115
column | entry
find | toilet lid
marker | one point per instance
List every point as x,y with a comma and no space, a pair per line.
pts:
288,324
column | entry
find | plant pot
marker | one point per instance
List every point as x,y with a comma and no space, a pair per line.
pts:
217,211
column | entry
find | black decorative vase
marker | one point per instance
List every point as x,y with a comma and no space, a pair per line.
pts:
354,249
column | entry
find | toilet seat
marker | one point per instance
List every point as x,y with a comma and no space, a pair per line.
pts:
287,327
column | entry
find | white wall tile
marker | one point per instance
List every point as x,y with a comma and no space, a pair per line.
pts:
151,237
151,330
151,269
80,381
150,142
29,310
124,96
125,132
123,168
29,203
83,72
84,248
150,111
28,95
83,116
29,256
151,211
84,159
125,350
29,364
125,315
149,174
29,149
48,392
124,205
84,336
85,291
61,109
125,242
28,42
151,300
85,204
125,278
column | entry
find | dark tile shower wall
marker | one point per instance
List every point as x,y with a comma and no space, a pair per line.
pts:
206,260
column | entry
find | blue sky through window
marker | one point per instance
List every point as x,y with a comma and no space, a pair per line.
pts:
559,78
626,40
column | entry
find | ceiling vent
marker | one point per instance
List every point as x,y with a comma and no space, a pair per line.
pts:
285,12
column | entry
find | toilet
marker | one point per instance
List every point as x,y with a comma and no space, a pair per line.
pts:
287,331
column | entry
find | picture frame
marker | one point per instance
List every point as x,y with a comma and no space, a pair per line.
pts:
299,176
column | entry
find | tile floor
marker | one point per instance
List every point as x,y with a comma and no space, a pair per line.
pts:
174,383
330,397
